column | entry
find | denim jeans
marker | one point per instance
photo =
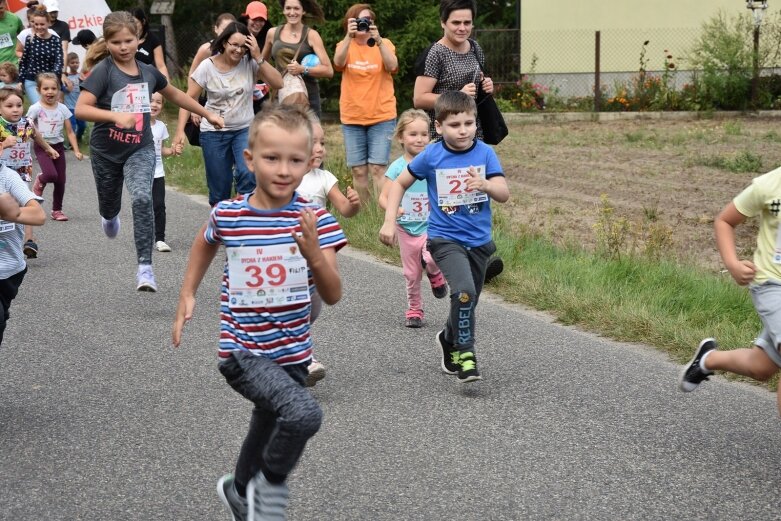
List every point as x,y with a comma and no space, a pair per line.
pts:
31,91
224,159
368,144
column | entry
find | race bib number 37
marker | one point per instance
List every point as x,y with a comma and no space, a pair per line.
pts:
452,189
267,276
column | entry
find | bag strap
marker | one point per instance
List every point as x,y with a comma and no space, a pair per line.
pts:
304,38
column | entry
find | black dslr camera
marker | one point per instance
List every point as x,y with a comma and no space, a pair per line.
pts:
363,24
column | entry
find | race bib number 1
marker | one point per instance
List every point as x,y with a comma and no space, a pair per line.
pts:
133,98
267,276
452,189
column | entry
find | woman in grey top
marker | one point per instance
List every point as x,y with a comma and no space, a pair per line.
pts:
282,43
453,62
228,78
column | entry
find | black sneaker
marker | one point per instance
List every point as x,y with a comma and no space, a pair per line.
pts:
450,362
231,499
467,372
494,268
30,250
692,374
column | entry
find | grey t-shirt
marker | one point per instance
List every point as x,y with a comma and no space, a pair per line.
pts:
12,234
120,92
229,94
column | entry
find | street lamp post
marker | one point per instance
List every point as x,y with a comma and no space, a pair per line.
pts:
758,9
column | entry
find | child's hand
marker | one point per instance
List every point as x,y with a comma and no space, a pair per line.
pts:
388,234
9,141
307,238
9,207
184,312
215,120
78,155
475,182
178,148
399,212
52,153
124,119
352,197
743,272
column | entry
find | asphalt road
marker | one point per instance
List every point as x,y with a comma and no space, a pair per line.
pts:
100,418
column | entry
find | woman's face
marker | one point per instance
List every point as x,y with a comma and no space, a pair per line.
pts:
255,25
40,25
293,11
458,26
361,35
234,47
219,28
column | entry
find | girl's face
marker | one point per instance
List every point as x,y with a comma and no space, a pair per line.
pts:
293,11
155,104
235,47
123,46
414,137
5,77
12,109
219,28
49,91
318,146
40,25
458,26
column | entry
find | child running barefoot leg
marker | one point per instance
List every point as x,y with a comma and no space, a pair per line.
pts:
51,118
412,222
265,344
763,276
116,97
319,186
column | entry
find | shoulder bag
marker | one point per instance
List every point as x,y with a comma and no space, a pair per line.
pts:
293,91
491,119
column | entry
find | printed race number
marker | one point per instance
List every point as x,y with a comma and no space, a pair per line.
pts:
452,188
267,276
416,207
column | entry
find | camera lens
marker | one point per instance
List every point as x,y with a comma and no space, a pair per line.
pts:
363,25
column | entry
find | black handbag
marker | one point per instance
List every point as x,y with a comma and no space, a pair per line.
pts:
491,119
193,131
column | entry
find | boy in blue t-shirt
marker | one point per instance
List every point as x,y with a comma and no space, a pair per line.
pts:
72,95
463,175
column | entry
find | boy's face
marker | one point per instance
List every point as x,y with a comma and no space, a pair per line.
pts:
11,109
155,104
73,63
5,77
279,159
458,130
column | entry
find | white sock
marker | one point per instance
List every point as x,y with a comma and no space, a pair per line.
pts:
702,362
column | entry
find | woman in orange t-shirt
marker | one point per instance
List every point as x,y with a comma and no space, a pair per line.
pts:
367,105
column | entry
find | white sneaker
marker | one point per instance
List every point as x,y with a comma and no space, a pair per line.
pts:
316,373
162,246
146,278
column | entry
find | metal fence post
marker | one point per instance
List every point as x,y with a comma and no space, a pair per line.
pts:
597,89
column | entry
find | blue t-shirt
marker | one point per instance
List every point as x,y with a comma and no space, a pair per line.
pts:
468,224
71,97
417,194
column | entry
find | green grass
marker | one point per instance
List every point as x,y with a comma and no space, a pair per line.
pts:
744,161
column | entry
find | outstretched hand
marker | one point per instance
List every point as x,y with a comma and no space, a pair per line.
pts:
476,181
306,236
184,312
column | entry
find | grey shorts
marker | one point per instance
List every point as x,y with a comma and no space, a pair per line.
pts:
767,302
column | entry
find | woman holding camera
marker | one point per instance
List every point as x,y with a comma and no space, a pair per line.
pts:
228,77
285,41
367,104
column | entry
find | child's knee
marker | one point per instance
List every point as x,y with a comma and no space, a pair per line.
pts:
306,419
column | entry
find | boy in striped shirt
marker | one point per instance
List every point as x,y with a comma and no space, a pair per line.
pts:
279,248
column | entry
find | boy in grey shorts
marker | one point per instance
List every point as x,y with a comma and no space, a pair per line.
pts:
762,198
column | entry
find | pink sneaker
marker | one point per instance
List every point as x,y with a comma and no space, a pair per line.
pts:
38,187
57,215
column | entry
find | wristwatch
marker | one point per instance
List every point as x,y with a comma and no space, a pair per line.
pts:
306,71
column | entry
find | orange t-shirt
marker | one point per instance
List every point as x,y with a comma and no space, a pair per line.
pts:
367,87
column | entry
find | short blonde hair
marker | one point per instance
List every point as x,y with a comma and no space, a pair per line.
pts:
286,117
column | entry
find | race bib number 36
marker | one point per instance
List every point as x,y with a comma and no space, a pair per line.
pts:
17,156
452,189
267,276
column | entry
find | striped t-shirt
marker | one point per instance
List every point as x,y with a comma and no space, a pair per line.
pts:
279,333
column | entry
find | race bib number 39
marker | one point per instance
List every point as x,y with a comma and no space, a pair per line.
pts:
133,98
267,276
452,189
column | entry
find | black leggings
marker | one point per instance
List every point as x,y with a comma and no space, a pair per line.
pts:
8,289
